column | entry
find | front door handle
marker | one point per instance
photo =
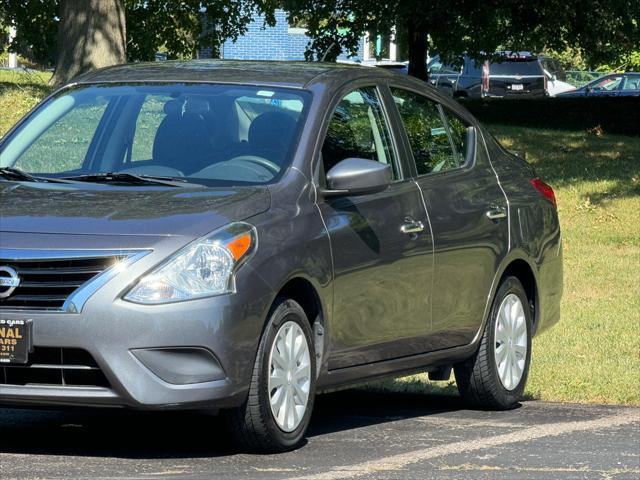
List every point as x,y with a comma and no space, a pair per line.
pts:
496,213
412,226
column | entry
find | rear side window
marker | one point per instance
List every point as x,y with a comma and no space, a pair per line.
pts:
516,67
358,129
458,136
437,137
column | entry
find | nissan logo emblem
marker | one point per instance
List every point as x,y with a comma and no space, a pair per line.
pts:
9,281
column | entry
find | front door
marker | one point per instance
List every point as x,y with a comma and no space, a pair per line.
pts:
382,274
468,212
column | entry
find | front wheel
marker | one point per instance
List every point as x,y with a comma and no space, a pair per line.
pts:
278,409
496,375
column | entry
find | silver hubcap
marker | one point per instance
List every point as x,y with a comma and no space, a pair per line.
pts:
511,341
289,376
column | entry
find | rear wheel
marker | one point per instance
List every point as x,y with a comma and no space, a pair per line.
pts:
276,414
496,375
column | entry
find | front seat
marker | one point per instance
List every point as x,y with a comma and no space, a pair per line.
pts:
270,136
184,139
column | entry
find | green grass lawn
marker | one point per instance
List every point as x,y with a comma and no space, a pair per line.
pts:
593,354
19,93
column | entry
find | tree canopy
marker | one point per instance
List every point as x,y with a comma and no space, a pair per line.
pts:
179,27
603,30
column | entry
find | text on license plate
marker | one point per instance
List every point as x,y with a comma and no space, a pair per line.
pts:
517,86
15,341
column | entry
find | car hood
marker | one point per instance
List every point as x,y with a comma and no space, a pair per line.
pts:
108,210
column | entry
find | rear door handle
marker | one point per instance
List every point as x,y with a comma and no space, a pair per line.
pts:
412,226
496,213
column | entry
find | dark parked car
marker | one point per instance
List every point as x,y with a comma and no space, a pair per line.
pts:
614,85
242,236
516,75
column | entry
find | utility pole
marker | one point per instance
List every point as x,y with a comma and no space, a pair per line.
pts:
13,57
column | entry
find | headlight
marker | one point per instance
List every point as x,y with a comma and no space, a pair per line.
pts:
203,268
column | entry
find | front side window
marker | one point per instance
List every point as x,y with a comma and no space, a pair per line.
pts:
437,137
608,83
358,129
202,133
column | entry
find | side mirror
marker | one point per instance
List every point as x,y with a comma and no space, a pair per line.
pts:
357,176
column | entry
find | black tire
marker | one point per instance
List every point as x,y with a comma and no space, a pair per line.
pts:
253,425
477,378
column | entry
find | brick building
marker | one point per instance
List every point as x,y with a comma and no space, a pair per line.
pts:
280,42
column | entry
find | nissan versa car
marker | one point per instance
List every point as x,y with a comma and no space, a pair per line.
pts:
243,236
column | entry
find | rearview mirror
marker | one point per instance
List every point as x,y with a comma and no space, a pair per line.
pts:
357,176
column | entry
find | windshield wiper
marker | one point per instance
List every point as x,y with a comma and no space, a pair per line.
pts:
17,174
128,179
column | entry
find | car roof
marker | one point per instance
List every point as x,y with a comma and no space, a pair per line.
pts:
267,73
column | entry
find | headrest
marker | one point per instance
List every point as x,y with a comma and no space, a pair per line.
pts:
173,107
272,127
188,105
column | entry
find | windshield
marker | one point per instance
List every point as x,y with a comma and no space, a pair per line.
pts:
203,133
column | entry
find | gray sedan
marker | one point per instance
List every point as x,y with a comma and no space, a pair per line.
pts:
241,236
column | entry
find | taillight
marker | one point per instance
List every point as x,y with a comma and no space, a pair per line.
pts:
545,190
546,84
485,77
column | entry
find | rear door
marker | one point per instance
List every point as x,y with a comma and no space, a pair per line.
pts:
467,209
382,275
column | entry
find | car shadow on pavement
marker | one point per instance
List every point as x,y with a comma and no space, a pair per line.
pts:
158,435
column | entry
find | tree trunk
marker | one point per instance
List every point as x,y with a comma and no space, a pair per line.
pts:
91,35
417,51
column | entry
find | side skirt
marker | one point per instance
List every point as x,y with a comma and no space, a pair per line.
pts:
342,378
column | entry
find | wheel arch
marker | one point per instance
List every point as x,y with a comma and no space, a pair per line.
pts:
521,268
523,272
303,291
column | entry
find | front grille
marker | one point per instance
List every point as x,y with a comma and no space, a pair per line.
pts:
46,284
67,367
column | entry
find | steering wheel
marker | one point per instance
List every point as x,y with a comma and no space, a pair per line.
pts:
154,170
263,162
245,167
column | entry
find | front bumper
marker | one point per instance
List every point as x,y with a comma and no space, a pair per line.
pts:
193,354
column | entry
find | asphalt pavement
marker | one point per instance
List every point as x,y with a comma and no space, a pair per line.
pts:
354,434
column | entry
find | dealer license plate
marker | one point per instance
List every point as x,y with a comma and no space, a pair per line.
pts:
16,341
